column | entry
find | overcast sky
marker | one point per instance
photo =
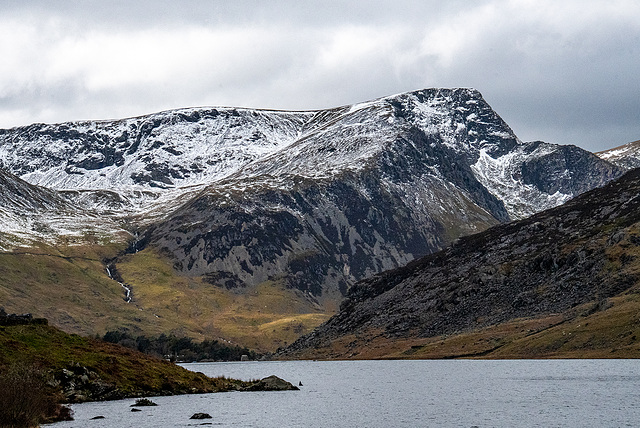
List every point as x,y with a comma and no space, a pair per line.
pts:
561,71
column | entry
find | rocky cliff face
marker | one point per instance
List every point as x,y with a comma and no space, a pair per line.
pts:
583,251
317,200
318,236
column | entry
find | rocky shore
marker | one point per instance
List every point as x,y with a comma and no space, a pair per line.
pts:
41,363
79,384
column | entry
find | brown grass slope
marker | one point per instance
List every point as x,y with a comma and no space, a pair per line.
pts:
563,283
69,286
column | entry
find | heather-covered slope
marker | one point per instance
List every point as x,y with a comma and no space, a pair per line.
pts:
569,260
41,367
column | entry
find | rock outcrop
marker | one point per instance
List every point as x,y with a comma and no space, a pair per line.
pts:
201,416
19,319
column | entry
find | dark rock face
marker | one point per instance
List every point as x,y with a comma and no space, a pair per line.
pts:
578,172
548,263
317,237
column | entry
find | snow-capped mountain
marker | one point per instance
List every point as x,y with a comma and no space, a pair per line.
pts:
626,156
315,199
31,213
143,158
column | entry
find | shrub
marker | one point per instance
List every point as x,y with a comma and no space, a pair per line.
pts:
24,401
140,402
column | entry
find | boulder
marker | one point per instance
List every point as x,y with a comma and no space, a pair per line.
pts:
271,383
201,416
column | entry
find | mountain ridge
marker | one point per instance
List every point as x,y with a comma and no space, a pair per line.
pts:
443,155
626,156
583,252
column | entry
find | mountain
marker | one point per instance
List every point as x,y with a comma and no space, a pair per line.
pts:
569,266
237,200
32,212
369,188
331,196
626,156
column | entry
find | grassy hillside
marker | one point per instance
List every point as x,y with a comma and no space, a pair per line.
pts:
67,285
70,287
264,317
129,372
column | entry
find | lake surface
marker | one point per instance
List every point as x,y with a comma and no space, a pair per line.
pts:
460,393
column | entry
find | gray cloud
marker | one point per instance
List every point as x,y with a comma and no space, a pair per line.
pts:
564,72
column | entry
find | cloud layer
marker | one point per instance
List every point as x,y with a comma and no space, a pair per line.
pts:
564,72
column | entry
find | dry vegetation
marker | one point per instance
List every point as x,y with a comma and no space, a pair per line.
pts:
24,399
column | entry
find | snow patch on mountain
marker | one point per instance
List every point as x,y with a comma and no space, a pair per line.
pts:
31,214
502,176
164,150
626,156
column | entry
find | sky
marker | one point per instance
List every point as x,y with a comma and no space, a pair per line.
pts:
565,72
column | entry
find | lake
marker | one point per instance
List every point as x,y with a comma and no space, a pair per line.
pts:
460,393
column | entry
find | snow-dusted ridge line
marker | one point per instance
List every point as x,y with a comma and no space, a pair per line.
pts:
222,107
626,156
182,155
142,169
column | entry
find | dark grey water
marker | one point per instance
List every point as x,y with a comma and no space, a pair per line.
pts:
557,393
